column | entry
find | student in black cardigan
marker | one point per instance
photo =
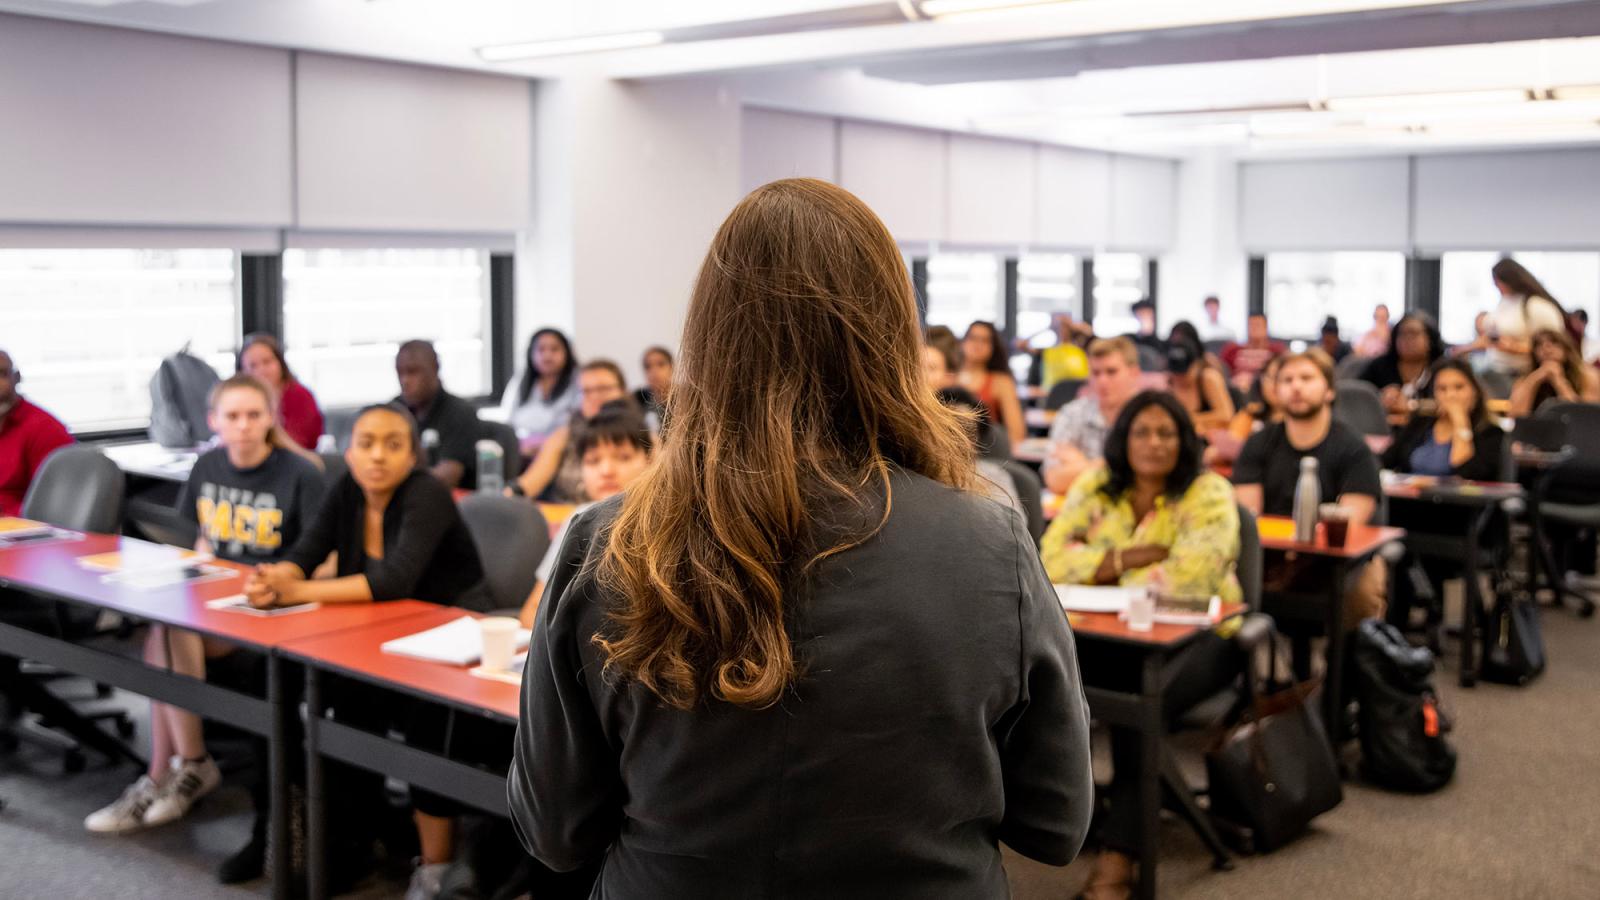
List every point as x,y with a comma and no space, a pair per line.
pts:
1453,437
398,535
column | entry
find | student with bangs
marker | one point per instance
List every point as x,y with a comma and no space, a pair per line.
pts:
251,499
800,655
612,448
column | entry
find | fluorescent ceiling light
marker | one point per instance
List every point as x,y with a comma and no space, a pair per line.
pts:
939,9
1447,98
1576,92
593,43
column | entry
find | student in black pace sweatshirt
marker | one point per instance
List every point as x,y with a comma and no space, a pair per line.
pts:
398,535
801,656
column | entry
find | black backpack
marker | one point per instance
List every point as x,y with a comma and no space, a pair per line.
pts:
1513,644
180,396
1402,733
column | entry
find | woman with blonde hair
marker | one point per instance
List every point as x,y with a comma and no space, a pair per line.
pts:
800,656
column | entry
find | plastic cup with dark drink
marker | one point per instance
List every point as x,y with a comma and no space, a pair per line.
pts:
1335,523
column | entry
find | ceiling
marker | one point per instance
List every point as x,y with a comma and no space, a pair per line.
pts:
1159,76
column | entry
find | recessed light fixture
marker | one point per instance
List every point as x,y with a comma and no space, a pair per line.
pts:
591,43
1444,98
1576,92
939,9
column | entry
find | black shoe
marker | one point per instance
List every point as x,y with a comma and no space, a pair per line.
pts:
247,864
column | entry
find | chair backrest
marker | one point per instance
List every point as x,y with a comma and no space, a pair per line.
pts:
339,423
512,538
510,447
1249,565
1496,384
1579,423
1030,490
1360,407
77,487
1350,368
1063,392
334,468
1151,359
994,443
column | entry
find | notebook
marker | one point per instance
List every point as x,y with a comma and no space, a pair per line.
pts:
459,643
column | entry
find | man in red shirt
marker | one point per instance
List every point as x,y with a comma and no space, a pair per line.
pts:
27,435
1246,360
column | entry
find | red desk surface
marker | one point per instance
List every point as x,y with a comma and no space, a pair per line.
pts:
53,569
357,652
1109,626
1277,533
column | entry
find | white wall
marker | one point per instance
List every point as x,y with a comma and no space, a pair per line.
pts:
901,173
776,145
993,191
1206,256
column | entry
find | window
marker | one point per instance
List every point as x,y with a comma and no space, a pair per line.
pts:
1466,288
963,288
1120,281
346,312
88,328
1047,283
1303,289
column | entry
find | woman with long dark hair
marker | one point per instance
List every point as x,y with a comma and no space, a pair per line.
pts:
1401,373
799,655
984,372
1525,307
544,392
1558,374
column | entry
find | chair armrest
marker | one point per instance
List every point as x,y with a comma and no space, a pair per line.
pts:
1255,631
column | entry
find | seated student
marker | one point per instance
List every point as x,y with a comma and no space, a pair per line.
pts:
1150,516
612,449
1246,360
993,479
27,435
986,373
652,398
435,409
1401,373
1066,359
541,396
1078,434
554,473
1198,385
250,498
1144,312
1268,467
1558,374
941,358
1330,343
262,356
1257,414
1457,439
398,535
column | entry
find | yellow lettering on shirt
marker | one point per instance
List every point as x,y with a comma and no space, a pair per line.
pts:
221,523
244,527
268,521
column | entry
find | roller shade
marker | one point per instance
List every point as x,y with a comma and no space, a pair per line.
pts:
1341,204
1543,200
900,173
992,191
1144,197
1074,198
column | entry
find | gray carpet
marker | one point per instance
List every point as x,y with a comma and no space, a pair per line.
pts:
1520,820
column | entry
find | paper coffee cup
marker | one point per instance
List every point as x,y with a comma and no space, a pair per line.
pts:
499,642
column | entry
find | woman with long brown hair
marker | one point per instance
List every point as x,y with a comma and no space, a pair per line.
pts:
798,656
1525,307
1558,374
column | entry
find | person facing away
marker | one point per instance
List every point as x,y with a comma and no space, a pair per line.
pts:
1525,307
799,658
435,409
1246,360
249,500
539,398
298,413
28,434
1078,434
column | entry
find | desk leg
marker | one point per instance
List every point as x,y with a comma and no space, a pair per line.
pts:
278,776
1151,733
1472,600
316,800
1333,685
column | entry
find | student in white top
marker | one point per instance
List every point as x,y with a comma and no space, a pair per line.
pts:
1525,307
613,448
1211,327
544,392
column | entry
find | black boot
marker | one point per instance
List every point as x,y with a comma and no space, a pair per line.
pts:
248,862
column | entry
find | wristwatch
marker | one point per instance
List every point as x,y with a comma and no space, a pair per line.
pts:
1463,434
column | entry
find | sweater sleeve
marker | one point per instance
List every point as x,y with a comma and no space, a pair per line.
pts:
321,534
1488,454
1068,555
301,418
426,513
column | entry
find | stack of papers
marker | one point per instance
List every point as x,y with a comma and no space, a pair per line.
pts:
1090,599
458,643
13,527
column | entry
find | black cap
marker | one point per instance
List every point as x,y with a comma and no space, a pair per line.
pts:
1330,325
1180,356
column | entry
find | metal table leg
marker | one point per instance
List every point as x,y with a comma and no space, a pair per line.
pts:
278,754
1472,599
316,799
1333,686
1150,735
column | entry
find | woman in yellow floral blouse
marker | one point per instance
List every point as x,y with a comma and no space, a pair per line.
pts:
1150,516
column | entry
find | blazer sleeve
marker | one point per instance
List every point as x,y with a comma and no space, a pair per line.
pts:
427,514
1044,738
565,786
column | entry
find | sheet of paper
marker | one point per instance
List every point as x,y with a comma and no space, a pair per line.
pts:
459,643
237,603
1095,599
11,527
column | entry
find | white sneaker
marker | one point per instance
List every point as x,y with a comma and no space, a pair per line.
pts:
127,813
425,880
186,783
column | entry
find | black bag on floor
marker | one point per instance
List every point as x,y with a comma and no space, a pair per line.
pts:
1273,771
1402,729
1513,644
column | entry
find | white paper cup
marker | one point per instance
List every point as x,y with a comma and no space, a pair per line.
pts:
499,642
1141,611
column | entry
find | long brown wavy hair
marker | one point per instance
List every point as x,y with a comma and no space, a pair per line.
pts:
800,390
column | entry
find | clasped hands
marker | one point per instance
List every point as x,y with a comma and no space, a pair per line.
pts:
274,584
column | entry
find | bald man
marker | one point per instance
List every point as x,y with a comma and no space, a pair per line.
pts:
438,410
27,435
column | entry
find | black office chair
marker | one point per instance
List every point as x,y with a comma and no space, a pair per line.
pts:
77,487
512,537
1360,408
1063,392
1151,359
334,468
339,423
1350,368
1568,493
994,443
1030,490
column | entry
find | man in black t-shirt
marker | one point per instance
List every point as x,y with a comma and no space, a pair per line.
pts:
453,419
1268,467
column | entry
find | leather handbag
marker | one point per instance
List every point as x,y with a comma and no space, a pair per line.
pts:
1273,771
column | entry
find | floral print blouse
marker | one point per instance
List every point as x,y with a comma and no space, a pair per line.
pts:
1199,529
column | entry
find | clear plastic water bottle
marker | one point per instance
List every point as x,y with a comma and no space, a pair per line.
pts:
491,467
430,447
1307,497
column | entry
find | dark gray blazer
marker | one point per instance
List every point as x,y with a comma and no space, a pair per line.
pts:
939,712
